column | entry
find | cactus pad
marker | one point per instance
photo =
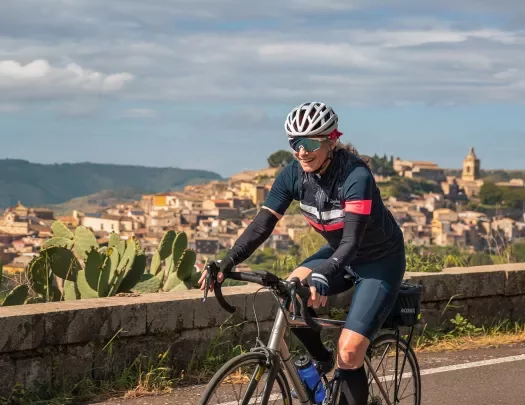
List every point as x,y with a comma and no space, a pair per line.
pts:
16,296
84,241
61,231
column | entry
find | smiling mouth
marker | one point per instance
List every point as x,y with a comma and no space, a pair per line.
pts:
308,161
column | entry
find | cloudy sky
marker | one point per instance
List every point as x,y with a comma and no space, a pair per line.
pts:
208,83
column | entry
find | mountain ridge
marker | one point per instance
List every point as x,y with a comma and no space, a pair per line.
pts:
39,184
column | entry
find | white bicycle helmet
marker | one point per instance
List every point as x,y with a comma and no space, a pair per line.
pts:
311,119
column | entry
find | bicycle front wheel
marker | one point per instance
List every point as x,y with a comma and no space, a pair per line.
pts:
242,381
382,356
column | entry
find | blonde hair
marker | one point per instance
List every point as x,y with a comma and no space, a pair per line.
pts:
350,148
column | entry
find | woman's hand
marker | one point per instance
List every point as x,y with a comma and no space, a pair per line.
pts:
316,300
202,279
304,273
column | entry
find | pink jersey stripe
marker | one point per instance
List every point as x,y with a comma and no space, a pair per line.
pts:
363,207
332,227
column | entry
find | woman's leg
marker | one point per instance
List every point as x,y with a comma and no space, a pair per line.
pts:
376,291
310,339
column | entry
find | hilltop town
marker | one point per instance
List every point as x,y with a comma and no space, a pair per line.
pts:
214,214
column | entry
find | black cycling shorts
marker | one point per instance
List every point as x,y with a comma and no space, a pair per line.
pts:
377,284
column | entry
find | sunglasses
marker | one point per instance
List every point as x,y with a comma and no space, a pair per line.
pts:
309,144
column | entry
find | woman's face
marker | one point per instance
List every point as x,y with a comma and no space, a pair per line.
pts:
311,161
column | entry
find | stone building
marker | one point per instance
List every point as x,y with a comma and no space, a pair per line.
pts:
419,170
471,167
470,181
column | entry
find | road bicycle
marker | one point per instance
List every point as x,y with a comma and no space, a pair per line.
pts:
266,370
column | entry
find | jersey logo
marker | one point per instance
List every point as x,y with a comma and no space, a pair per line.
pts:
363,207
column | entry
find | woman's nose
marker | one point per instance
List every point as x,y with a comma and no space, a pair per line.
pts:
302,152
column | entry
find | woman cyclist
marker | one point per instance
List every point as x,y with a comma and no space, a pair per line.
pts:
340,199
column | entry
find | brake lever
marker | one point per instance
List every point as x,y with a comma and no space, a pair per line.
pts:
294,299
206,286
209,275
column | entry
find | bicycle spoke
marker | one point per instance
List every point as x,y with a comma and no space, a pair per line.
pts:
383,359
247,383
406,386
238,397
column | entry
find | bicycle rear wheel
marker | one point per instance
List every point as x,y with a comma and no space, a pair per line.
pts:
382,355
242,381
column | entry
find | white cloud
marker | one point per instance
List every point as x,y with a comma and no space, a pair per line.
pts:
276,51
140,113
43,80
395,39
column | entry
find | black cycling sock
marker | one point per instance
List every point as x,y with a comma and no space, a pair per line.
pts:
354,387
311,340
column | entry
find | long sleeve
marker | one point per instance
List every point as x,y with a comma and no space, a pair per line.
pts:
358,191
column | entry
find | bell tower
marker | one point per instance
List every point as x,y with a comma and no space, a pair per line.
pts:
470,167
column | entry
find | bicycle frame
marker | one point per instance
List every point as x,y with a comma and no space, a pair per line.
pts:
277,352
278,348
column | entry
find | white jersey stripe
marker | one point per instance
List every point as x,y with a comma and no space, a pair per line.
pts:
327,215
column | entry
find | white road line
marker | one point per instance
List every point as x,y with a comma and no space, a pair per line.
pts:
461,366
429,371
473,364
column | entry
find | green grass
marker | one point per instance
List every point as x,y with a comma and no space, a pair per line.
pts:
153,375
145,375
464,335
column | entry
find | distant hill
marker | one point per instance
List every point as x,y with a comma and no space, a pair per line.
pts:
39,184
97,201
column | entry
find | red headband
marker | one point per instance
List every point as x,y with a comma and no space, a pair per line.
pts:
334,134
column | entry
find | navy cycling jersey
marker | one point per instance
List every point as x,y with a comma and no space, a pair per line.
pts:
345,196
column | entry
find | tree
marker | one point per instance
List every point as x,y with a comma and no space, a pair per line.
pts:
280,158
490,194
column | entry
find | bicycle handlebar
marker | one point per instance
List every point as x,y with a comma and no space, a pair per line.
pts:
286,289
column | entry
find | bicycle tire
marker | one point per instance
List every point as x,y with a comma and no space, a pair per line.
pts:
255,358
411,361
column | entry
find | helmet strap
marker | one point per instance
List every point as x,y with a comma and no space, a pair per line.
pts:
326,162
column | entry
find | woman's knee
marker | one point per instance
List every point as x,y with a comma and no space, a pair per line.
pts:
351,350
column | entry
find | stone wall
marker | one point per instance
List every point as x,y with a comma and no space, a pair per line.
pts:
44,344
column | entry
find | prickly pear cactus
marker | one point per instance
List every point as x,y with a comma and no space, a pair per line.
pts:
71,292
17,296
133,276
92,271
108,271
39,274
62,262
166,244
61,231
114,240
181,272
84,242
180,244
171,264
148,284
81,241
58,242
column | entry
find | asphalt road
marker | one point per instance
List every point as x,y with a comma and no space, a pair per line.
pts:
489,376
